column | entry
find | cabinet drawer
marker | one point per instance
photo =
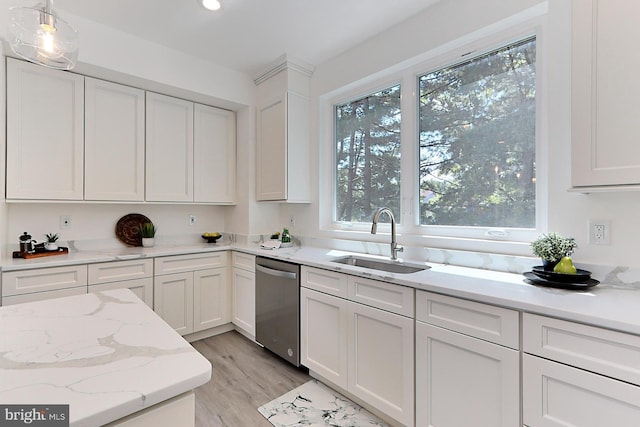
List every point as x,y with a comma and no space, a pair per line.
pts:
394,298
329,282
243,261
615,354
182,263
494,324
120,270
39,296
43,279
556,395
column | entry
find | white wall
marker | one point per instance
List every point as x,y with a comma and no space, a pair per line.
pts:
568,213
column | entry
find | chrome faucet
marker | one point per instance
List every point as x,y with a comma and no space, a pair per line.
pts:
374,227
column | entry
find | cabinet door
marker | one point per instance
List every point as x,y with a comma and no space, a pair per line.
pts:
243,300
463,381
45,133
210,298
143,288
283,158
173,300
605,90
556,395
323,335
169,145
381,360
214,148
271,175
298,151
114,141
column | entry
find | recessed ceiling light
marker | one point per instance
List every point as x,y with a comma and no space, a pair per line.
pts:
210,4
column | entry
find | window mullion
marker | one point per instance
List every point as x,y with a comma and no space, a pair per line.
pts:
409,151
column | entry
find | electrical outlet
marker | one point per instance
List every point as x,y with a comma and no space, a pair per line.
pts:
599,232
192,220
65,221
292,221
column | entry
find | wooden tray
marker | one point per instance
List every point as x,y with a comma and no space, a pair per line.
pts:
61,251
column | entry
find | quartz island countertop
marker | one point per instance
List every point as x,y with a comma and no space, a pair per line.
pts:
106,354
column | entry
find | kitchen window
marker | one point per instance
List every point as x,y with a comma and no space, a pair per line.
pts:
367,155
477,140
464,165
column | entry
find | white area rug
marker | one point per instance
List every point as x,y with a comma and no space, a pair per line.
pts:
315,405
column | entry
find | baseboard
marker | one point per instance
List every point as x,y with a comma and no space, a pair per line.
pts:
200,335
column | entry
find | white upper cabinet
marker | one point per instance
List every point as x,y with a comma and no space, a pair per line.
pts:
214,162
169,157
73,138
114,141
283,133
605,89
45,127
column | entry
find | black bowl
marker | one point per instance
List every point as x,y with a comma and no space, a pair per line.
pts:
581,276
211,239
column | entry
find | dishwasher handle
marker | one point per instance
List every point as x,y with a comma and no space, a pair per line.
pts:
277,273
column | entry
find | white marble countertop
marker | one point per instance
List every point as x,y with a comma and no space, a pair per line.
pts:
612,304
107,255
105,354
606,305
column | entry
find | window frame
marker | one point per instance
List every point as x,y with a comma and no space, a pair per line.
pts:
485,239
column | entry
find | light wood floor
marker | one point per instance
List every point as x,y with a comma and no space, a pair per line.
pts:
244,376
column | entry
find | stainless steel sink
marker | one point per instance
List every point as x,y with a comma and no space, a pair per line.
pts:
379,264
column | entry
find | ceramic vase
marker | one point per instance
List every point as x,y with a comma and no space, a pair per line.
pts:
148,242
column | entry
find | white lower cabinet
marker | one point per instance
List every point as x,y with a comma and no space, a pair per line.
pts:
196,296
323,335
557,395
381,358
365,350
136,275
463,381
173,300
467,363
579,375
211,299
243,292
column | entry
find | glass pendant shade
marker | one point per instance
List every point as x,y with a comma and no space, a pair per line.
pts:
39,36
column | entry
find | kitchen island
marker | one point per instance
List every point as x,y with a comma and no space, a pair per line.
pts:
106,354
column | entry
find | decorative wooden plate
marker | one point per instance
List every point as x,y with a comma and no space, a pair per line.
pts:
128,229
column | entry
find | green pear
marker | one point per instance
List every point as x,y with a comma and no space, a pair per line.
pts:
565,266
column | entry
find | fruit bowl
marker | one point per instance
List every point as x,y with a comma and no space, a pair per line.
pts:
211,238
581,276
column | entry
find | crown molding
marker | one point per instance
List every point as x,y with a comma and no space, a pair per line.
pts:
282,63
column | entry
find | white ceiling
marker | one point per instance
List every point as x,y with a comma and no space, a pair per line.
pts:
248,35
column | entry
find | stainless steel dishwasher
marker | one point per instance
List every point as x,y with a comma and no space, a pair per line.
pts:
278,307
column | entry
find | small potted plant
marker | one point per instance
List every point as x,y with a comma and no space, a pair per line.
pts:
51,244
148,233
552,247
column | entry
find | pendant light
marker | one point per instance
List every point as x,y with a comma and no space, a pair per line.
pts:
39,36
210,4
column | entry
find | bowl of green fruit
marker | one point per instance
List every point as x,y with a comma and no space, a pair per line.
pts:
211,237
